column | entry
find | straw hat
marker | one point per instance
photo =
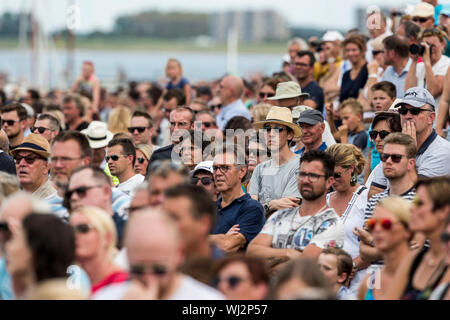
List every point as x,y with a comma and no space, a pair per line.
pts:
34,143
280,115
288,89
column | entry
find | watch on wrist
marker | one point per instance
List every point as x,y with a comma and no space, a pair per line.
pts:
266,207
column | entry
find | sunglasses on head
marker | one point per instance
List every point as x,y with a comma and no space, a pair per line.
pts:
277,129
113,157
232,281
80,191
139,129
263,95
374,134
385,223
419,19
9,122
206,181
41,130
140,270
82,228
140,160
395,157
414,111
28,159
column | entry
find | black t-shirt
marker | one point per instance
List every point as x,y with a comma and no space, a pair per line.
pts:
350,88
81,126
315,94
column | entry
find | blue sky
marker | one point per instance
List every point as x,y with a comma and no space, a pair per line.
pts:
100,14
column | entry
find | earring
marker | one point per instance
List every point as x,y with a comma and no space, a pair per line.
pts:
353,180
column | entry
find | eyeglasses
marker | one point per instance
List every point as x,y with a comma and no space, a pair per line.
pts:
82,228
80,191
63,159
374,134
9,122
141,160
445,237
223,168
277,129
385,223
395,157
113,157
314,177
414,111
139,129
263,95
232,281
41,130
338,175
206,181
419,19
140,269
28,159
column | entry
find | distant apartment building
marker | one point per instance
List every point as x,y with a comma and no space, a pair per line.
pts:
252,26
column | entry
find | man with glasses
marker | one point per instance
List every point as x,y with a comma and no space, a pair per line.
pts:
423,15
47,126
240,217
32,166
141,128
14,122
121,157
274,182
203,176
305,230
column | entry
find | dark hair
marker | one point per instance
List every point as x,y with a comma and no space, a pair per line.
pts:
204,90
54,123
177,94
52,243
387,87
37,106
256,267
154,93
146,115
34,94
128,148
192,117
15,106
200,199
392,119
411,30
238,122
319,155
438,189
308,53
271,82
3,97
76,98
79,138
399,45
344,260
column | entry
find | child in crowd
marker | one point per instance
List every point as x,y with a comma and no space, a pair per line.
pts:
174,71
352,128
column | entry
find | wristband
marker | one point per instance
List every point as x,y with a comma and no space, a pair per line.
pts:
373,75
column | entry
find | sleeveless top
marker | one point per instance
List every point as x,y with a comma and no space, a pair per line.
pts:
412,293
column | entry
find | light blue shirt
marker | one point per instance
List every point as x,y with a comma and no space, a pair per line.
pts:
236,108
397,79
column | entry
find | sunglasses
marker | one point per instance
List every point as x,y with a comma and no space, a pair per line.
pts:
218,106
28,159
375,52
82,228
9,122
385,223
374,134
80,191
5,233
263,95
421,20
139,129
232,281
207,124
277,129
114,157
206,181
41,130
414,111
338,175
140,160
140,270
445,237
395,157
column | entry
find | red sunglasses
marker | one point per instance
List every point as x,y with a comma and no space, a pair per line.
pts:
385,223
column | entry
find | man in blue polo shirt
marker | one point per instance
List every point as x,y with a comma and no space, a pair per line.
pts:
240,218
313,126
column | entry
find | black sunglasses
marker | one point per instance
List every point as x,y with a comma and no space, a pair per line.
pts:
262,95
5,233
277,129
218,106
374,134
206,181
140,160
41,130
207,124
114,157
9,122
445,237
338,175
28,159
80,191
395,157
82,228
232,281
140,270
421,20
375,52
414,111
139,129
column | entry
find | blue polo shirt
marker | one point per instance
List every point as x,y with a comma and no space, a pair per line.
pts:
246,212
322,147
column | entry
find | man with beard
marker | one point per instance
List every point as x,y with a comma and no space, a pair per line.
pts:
14,118
305,230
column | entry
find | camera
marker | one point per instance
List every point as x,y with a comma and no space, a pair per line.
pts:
417,49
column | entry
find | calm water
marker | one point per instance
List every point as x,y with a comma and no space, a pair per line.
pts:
137,65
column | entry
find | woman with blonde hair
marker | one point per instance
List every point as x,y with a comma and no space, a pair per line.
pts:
143,154
389,226
95,250
349,199
119,120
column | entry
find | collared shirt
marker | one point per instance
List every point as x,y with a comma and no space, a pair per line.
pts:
45,191
397,79
234,109
322,147
246,212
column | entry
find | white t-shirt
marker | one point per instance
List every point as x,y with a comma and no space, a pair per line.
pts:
130,185
189,289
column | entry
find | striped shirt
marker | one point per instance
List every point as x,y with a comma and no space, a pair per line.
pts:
373,201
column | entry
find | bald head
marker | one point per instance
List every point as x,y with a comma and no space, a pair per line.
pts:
232,89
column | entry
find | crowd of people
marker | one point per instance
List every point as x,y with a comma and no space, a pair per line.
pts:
329,179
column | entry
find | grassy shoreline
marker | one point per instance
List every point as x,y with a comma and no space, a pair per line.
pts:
147,44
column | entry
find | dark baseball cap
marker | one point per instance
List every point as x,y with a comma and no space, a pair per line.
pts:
310,117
